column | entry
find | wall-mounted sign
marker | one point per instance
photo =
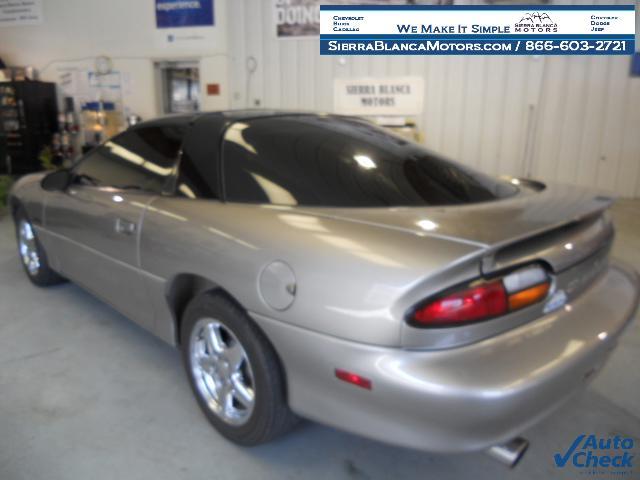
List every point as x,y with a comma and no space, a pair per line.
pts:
379,96
185,24
301,18
24,12
184,13
635,65
598,29
297,18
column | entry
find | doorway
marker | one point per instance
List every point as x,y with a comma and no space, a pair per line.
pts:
179,86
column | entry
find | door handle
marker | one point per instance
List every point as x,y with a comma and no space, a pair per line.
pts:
125,227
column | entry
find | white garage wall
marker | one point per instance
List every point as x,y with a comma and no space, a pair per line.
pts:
74,32
565,118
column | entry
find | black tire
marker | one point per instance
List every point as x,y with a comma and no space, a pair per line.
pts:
44,276
271,415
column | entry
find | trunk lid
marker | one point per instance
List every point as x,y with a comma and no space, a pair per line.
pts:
559,224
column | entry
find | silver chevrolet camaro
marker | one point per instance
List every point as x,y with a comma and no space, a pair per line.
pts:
317,266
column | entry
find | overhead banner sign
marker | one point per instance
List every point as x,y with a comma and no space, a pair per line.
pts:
635,65
301,18
185,24
184,13
24,12
477,30
379,96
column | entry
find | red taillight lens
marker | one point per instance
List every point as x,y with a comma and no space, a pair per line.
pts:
470,305
476,301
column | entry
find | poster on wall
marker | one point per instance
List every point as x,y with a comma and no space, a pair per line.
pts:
85,85
389,96
635,65
184,13
185,24
24,12
301,18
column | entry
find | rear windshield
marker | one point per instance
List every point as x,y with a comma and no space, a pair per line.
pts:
343,162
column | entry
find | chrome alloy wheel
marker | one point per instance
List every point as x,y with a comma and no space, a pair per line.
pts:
221,371
28,248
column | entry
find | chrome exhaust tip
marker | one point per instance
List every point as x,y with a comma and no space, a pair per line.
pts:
509,453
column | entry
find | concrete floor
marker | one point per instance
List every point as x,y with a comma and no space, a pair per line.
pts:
85,394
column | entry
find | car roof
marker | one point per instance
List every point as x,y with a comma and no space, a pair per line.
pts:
224,116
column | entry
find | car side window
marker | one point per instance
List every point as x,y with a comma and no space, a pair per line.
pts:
198,172
143,158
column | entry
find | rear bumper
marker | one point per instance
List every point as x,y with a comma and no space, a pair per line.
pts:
461,399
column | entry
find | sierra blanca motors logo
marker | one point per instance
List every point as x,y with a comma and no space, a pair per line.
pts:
598,456
536,22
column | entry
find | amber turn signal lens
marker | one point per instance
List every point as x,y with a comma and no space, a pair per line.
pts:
528,296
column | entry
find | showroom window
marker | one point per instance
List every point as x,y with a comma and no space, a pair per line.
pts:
143,158
332,161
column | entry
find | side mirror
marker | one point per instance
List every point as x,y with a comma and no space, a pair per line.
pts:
57,181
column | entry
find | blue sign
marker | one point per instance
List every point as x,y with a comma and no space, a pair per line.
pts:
477,30
184,13
635,65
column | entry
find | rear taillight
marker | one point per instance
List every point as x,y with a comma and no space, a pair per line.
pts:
475,303
481,300
528,296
